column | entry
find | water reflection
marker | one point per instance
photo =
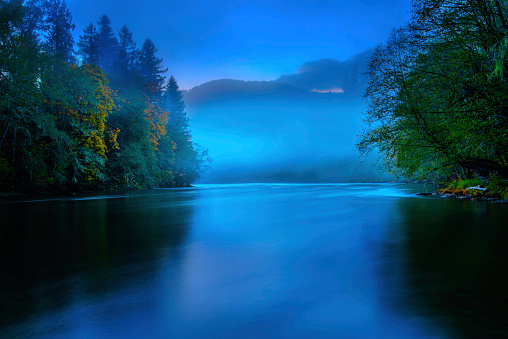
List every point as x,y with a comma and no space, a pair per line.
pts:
454,265
53,253
251,261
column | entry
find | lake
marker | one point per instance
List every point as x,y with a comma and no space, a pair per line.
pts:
254,261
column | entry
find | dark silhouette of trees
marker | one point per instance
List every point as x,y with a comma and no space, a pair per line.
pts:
151,68
58,20
108,44
127,57
89,45
188,158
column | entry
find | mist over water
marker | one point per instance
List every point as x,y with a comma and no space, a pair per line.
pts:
285,130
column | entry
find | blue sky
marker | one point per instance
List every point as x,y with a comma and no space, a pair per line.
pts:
248,40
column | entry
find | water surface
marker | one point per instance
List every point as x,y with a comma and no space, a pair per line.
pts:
251,261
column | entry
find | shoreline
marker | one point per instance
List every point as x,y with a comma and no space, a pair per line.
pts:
460,195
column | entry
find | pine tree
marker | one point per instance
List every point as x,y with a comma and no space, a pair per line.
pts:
151,68
33,25
89,45
126,60
187,159
59,40
108,44
11,14
175,105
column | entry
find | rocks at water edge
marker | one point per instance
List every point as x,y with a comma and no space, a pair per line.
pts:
490,200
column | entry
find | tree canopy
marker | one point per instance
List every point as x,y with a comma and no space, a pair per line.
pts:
438,92
101,123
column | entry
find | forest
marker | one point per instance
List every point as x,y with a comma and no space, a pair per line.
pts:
438,94
94,115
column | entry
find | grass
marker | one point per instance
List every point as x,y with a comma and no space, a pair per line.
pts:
496,187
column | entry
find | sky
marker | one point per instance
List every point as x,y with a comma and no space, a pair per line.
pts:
247,40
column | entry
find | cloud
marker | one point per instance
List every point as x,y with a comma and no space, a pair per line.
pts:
331,76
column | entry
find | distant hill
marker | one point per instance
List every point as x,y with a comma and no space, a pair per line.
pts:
314,80
229,89
296,128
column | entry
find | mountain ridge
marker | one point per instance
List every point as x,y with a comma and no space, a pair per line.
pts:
313,80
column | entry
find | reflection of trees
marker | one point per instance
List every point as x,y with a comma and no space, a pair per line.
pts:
48,248
455,264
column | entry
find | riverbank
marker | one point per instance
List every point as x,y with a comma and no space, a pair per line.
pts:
476,193
472,197
32,194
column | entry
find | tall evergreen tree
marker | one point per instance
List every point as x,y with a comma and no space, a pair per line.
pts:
11,14
108,44
59,40
89,45
151,68
187,159
126,60
175,105
32,26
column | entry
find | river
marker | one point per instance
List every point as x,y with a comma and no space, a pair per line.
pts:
254,261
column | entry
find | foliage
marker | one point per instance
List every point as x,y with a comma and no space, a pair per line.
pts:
127,57
67,127
188,158
58,23
89,45
151,69
464,184
437,95
498,187
108,44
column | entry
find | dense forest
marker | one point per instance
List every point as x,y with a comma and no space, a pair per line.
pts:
96,115
438,93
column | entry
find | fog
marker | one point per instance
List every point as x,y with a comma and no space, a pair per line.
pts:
293,129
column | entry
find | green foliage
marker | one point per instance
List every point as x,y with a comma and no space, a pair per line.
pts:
465,184
434,108
498,187
65,127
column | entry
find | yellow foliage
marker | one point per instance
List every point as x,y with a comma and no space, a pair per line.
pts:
157,119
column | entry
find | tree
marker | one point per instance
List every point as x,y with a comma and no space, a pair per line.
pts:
133,164
108,44
19,104
59,40
126,61
436,103
173,99
11,17
32,26
151,68
61,126
89,45
187,159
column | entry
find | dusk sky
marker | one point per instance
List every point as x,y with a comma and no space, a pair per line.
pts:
248,40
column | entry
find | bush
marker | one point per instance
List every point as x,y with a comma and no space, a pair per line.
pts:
498,187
